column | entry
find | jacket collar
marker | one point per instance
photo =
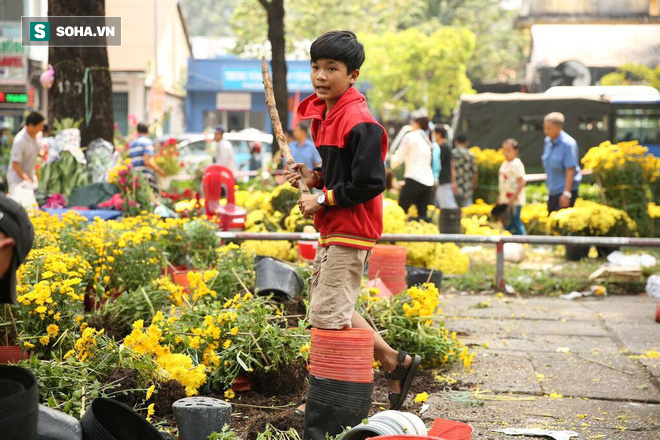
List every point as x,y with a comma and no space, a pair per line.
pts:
314,108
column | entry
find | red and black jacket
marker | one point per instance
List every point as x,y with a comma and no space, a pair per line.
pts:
353,147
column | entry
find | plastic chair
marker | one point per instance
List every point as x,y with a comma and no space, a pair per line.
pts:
216,178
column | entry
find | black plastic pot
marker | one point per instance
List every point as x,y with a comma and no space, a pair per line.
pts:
277,278
198,417
107,419
450,221
333,405
19,404
419,275
576,253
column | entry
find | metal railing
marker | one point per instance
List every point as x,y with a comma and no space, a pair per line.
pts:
497,240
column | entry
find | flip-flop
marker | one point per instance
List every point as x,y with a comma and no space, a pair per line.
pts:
406,377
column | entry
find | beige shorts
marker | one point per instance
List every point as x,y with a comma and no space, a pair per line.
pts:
334,286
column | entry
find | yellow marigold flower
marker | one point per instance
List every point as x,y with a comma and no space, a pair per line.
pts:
44,340
52,330
150,391
229,394
150,412
27,344
227,343
234,331
421,397
158,317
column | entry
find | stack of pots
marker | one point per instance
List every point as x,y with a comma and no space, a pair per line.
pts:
340,382
19,404
388,262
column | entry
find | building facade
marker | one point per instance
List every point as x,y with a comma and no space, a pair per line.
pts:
149,70
577,42
230,92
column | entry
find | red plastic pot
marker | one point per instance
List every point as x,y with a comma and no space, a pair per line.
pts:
342,355
657,313
451,430
11,354
405,437
307,249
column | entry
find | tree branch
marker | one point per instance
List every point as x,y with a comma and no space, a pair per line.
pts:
266,4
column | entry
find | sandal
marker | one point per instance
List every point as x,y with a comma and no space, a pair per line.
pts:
297,411
405,376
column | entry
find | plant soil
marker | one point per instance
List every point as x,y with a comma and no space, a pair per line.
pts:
166,394
115,328
125,381
251,413
290,379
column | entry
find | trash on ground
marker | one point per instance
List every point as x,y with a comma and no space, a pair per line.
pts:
624,273
425,408
595,290
557,435
653,286
618,258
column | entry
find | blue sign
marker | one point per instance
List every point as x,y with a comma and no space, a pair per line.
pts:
248,79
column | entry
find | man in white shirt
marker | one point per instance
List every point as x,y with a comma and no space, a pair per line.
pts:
224,152
24,152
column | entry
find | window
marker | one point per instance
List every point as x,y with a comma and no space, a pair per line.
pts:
640,124
592,123
120,111
531,123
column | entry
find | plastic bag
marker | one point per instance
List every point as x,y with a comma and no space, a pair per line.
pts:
23,193
653,286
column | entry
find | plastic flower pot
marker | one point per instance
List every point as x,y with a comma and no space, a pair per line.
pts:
307,249
332,405
576,253
420,275
405,437
389,425
107,419
657,312
19,403
277,278
450,221
451,430
199,417
604,251
11,354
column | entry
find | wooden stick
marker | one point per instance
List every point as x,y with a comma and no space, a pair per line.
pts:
277,125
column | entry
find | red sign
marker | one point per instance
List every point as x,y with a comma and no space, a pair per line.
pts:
11,61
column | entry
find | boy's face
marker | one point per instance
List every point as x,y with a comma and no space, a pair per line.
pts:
330,79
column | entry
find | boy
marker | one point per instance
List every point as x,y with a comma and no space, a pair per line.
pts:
512,185
349,211
141,152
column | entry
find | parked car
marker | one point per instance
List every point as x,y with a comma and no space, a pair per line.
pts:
195,149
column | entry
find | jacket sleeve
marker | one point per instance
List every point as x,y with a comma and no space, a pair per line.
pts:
401,153
367,168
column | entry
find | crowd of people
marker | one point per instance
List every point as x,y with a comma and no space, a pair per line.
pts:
447,177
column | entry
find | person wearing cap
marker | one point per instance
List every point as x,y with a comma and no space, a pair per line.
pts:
224,152
24,152
16,239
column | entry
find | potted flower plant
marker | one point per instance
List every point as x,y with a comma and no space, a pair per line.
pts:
167,157
589,219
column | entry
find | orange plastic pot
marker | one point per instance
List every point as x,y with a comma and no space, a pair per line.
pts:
451,430
11,354
307,249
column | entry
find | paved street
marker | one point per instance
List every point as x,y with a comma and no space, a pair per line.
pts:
556,364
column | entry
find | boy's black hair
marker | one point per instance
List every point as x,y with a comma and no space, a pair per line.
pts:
34,118
423,122
142,128
339,46
303,127
442,131
461,138
513,142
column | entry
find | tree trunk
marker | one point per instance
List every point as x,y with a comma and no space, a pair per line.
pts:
275,11
75,85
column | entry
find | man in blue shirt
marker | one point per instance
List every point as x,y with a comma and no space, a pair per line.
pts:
561,163
303,149
141,153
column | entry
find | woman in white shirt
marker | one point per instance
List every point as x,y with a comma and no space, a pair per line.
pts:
416,152
512,185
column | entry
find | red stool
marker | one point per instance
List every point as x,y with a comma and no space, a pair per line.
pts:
217,177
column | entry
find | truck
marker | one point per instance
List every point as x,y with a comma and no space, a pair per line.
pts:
593,114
